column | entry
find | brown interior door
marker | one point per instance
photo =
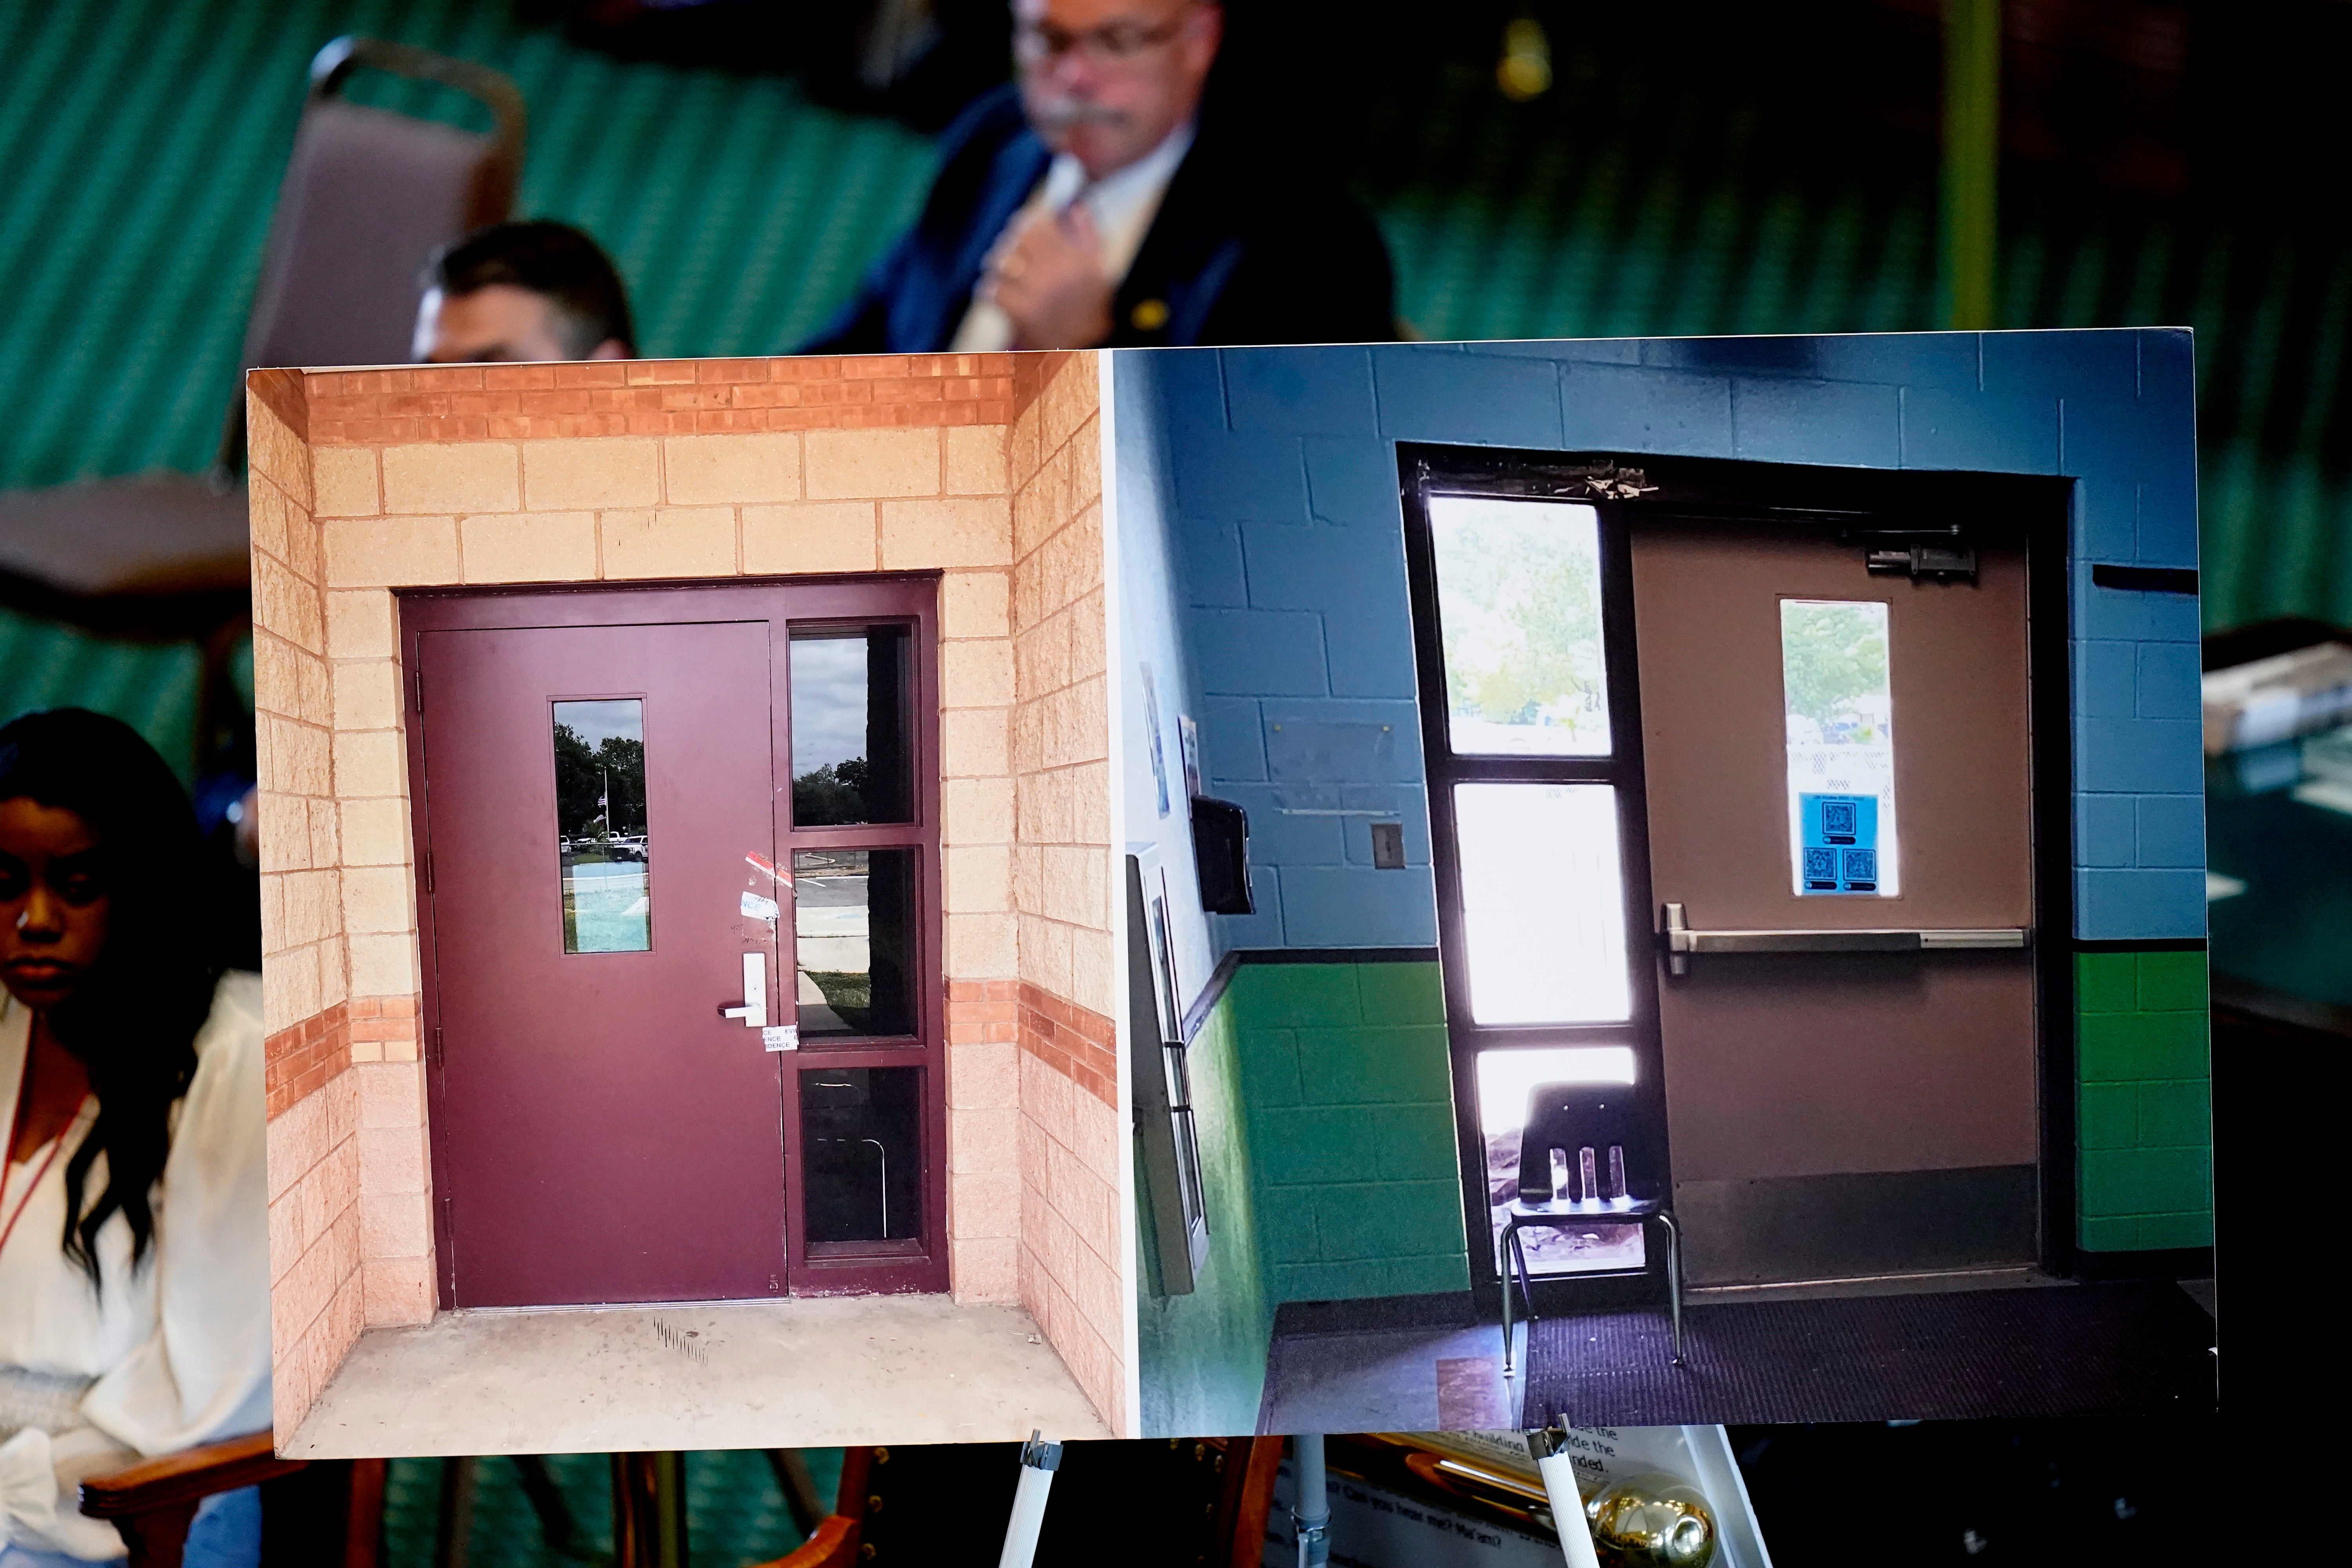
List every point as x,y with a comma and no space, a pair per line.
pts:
1834,1115
601,1132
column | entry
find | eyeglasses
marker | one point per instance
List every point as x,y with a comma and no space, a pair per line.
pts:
1113,43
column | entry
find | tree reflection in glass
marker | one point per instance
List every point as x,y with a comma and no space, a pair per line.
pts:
849,696
602,843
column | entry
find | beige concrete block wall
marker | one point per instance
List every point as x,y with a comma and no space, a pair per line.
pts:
526,497
1073,1258
316,1287
976,887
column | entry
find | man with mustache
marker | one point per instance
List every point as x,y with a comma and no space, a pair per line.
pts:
1093,202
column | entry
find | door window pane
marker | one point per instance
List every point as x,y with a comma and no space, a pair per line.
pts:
861,1155
854,936
600,825
849,694
1506,1081
1840,721
1543,902
1518,593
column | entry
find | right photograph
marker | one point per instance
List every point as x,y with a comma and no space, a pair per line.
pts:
1665,880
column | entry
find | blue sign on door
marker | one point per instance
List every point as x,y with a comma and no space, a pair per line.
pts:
1841,843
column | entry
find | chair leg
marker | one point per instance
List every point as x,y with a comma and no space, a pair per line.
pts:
1527,1291
1505,1259
1528,1285
453,1530
799,1489
1526,1276
156,1538
556,1527
1673,1279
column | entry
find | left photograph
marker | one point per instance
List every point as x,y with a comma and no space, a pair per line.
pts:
687,948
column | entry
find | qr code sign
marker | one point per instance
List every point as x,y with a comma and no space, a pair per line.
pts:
1839,817
1821,864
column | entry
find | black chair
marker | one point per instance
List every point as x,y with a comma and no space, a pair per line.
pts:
1614,1164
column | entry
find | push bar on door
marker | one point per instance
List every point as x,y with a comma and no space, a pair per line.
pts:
1682,940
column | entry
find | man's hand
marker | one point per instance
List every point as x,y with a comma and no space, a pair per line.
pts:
1051,282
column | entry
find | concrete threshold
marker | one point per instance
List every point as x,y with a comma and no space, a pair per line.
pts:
812,1372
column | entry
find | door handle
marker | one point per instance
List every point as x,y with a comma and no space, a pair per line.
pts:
1681,940
754,1010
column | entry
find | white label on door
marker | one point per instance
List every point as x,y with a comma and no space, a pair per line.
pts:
780,1036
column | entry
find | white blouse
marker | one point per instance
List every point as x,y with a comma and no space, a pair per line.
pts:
171,1355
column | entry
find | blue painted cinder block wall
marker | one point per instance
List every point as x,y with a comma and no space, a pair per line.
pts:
1283,531
1268,480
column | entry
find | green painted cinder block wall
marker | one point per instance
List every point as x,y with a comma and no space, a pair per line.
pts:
2144,1106
1201,1355
1324,1106
1323,1101
1350,1098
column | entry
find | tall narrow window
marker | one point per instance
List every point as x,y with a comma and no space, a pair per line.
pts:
601,845
862,945
1840,721
1525,673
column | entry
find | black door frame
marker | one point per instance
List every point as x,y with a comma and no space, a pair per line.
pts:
1429,471
1625,489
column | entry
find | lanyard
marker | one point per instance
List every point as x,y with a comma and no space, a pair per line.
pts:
55,1148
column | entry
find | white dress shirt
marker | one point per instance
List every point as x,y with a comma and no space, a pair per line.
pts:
1122,203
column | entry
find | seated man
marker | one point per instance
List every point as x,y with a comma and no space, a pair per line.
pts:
518,292
1094,203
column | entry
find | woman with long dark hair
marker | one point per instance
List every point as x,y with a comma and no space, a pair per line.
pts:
134,1258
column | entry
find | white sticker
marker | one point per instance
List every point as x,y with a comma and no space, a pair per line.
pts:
756,908
780,1036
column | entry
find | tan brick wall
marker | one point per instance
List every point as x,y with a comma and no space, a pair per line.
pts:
314,1262
651,470
655,397
316,1309
983,1123
1073,1260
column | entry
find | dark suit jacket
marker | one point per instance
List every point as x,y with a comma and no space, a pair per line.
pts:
1242,250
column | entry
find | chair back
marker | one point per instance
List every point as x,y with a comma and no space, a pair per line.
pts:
367,197
1595,1116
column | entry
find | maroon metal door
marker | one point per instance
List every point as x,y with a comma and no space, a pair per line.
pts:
601,1132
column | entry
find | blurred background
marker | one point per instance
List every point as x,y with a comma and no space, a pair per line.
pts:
1550,170
1555,168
